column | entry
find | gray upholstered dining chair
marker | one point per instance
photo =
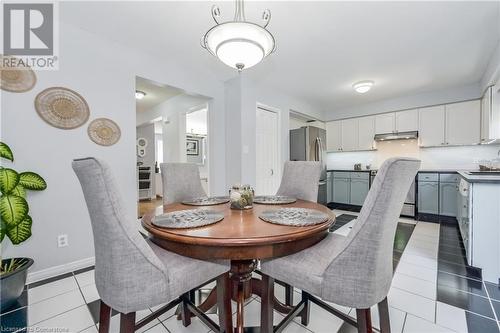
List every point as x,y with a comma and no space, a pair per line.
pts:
353,271
131,272
300,180
181,181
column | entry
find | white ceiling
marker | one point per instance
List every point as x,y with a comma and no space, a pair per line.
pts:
322,47
155,94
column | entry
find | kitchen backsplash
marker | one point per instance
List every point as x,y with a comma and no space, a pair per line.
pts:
455,158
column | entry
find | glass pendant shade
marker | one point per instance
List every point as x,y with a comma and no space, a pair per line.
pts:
238,43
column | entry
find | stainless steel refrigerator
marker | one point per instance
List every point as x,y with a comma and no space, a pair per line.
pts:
309,144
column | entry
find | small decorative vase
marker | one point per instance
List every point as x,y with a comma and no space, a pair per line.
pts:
241,196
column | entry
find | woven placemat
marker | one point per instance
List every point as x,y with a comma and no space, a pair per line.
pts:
296,217
273,200
207,201
191,218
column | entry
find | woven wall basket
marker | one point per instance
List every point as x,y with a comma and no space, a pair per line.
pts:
104,132
16,80
62,107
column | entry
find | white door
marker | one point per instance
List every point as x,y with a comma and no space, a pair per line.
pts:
267,154
384,123
463,123
350,134
334,135
407,120
431,126
366,132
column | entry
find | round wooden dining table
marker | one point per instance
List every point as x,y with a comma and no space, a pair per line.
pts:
243,238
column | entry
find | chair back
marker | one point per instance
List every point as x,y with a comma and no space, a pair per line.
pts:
181,181
300,180
125,265
363,266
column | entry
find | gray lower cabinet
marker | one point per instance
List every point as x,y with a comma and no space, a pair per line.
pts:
341,190
428,197
359,191
329,187
448,199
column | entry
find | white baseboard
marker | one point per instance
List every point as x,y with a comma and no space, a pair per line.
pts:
59,270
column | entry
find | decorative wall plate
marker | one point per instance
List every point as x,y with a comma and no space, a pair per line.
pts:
104,131
273,200
191,218
62,107
208,201
16,80
297,217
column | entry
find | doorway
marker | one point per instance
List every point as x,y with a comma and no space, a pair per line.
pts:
171,126
268,170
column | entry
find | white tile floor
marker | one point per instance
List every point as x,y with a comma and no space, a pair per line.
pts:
412,299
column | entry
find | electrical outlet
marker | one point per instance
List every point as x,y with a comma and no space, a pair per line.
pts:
62,241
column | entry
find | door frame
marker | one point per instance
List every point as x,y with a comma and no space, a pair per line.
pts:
278,113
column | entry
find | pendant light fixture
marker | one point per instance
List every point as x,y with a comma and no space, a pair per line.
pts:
238,43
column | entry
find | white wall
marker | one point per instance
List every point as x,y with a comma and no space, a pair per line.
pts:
441,158
104,73
457,94
242,98
148,132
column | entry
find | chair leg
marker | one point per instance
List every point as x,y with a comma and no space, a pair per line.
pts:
383,311
185,313
288,295
267,299
305,314
364,320
104,318
127,322
224,303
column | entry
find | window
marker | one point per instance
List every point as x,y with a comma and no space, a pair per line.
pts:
159,148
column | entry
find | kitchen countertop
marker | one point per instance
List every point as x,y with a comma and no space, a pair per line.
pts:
350,170
479,178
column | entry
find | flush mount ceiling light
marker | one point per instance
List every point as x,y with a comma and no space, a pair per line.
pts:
238,43
362,86
139,94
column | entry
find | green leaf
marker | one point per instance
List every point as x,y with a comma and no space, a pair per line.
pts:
20,232
19,191
32,181
13,209
8,180
3,230
5,152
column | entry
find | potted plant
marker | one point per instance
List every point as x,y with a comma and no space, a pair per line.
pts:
15,224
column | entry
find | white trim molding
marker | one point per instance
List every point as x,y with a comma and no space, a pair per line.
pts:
59,270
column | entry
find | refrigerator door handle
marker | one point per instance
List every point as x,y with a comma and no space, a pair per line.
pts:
317,149
320,153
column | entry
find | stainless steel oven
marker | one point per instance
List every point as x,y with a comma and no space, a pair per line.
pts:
409,208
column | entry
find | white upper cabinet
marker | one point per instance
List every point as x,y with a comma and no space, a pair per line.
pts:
490,114
366,132
350,132
463,123
407,120
431,126
486,115
334,135
385,123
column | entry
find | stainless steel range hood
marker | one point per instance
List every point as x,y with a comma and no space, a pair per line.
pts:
396,136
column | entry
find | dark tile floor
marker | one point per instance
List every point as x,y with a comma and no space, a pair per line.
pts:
460,285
